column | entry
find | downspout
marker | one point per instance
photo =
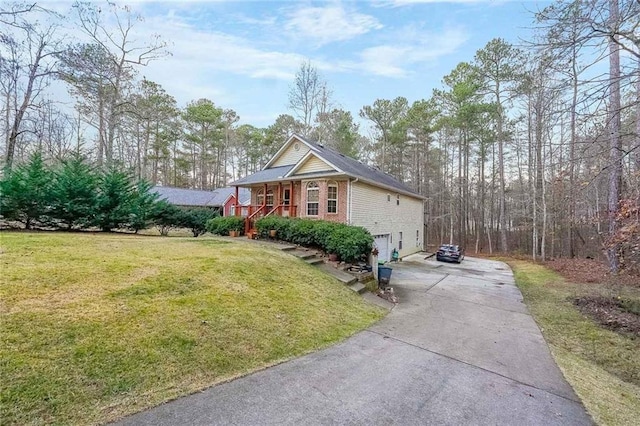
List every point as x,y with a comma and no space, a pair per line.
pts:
350,199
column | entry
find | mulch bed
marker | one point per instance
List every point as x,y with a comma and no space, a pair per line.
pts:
610,313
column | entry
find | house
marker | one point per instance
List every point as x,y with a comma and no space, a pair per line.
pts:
306,179
222,199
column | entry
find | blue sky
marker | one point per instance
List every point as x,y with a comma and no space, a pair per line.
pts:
244,55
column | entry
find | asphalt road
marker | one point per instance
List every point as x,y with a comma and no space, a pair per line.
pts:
459,348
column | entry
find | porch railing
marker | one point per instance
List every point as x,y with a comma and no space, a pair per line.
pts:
254,213
284,210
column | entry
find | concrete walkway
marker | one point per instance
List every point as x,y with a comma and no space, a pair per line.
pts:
459,348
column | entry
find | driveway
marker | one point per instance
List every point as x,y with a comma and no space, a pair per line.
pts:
459,348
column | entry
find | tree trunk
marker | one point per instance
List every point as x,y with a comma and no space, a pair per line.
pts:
615,142
572,154
26,100
500,136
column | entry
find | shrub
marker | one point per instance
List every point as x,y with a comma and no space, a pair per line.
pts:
25,194
74,193
223,225
196,219
302,232
266,224
114,200
166,216
142,206
350,243
323,231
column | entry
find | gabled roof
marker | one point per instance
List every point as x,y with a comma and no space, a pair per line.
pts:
199,198
309,155
355,168
344,166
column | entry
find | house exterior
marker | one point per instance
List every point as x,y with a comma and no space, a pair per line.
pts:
305,179
222,199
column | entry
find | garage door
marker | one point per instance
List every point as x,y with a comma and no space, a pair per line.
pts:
382,243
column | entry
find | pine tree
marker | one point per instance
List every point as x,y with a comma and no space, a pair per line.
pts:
143,205
25,194
74,193
114,200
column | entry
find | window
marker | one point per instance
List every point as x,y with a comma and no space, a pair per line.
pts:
270,198
400,242
388,197
313,198
417,238
260,197
397,199
332,197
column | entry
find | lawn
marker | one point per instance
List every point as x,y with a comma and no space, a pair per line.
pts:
97,326
602,365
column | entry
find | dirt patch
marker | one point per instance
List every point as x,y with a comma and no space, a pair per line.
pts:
613,313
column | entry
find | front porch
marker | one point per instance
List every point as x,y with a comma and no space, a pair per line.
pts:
268,199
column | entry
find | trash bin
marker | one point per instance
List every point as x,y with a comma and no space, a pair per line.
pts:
384,275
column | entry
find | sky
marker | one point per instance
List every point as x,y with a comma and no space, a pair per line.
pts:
244,55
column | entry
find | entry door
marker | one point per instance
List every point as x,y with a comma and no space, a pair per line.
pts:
382,243
286,200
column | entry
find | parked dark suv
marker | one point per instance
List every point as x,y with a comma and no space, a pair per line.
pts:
450,252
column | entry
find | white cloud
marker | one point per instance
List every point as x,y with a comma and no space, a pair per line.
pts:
394,59
328,24
203,51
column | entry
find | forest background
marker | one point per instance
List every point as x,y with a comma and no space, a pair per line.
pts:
532,148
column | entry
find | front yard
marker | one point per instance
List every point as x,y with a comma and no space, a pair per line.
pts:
97,326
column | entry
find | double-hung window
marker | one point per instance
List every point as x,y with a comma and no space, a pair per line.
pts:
332,197
313,198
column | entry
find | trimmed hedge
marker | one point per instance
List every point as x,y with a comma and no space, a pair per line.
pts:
350,243
222,225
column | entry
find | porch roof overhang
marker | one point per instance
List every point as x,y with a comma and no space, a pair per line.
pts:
273,174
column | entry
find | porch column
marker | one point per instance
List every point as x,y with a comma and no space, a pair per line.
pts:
237,211
292,199
264,199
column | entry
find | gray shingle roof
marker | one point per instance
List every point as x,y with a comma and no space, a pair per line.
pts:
357,169
221,195
348,165
199,198
267,175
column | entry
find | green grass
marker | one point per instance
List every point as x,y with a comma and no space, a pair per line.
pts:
94,326
602,366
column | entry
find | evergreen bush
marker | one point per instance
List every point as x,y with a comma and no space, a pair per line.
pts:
350,243
196,218
26,193
223,225
74,193
142,206
166,216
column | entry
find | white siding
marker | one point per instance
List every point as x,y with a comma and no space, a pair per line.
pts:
290,155
376,209
314,164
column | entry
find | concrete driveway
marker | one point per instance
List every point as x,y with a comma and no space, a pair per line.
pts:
459,348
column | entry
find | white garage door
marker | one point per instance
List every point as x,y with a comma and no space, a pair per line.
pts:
382,243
